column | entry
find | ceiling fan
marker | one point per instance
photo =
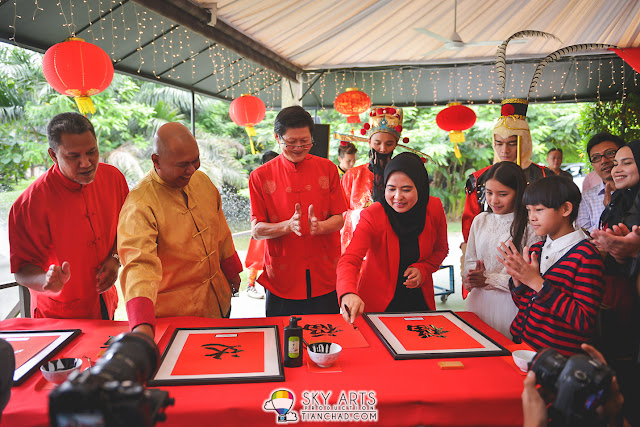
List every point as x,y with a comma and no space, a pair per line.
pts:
454,41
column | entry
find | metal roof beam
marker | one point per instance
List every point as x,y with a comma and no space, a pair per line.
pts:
159,36
190,16
104,15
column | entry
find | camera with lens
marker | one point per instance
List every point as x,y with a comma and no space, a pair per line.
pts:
579,383
112,392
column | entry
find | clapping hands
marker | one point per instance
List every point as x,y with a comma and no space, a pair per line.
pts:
295,223
523,268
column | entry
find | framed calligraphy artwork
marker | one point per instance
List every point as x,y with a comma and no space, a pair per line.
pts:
431,335
221,355
33,348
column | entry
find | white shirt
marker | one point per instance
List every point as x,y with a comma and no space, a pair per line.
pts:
553,250
488,230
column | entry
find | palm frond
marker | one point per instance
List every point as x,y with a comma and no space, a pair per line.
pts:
152,94
124,159
217,159
11,106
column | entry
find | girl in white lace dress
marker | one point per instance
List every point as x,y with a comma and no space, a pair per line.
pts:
506,220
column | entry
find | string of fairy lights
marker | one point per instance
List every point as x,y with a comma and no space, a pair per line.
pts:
165,50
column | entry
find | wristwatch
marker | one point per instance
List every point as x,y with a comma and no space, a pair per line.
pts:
117,257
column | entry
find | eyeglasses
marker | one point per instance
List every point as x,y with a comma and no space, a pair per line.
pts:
609,154
303,143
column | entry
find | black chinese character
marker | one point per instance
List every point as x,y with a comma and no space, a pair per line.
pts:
320,330
220,349
427,331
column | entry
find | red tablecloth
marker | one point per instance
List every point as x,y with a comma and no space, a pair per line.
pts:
408,392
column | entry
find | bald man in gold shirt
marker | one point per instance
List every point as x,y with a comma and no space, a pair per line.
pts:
174,243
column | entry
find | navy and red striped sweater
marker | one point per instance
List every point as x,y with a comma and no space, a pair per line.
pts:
562,315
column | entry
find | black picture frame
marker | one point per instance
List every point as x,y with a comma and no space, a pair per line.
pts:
273,372
393,345
23,372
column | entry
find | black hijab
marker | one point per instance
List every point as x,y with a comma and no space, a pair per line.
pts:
622,200
410,223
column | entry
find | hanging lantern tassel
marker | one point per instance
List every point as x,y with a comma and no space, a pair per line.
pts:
456,137
353,119
253,148
85,105
251,131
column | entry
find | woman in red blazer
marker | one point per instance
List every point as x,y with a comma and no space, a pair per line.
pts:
401,241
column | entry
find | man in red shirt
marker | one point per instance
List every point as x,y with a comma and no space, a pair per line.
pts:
62,229
297,205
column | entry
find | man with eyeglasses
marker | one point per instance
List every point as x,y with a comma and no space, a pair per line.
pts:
601,149
176,248
297,205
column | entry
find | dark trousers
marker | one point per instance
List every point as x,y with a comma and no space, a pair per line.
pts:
323,304
103,309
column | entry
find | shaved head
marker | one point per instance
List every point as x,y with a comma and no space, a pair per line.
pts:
176,155
171,136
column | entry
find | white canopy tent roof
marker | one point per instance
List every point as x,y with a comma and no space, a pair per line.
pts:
396,51
332,34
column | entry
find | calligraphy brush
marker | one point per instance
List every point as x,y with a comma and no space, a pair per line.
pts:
349,314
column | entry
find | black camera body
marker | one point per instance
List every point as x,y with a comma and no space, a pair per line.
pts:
580,384
111,393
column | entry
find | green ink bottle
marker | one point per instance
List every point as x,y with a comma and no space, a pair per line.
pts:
293,343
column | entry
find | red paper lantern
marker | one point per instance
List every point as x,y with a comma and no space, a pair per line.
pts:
247,111
79,69
454,119
352,103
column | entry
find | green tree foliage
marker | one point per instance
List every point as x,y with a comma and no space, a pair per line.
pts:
617,117
21,143
129,112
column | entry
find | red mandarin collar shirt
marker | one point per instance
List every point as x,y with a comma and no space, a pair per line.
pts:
275,188
56,220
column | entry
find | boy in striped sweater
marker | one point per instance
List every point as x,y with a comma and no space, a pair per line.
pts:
557,284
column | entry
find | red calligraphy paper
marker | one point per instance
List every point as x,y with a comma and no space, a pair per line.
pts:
423,336
206,354
25,348
330,328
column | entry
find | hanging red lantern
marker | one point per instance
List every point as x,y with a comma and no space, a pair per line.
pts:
352,103
247,111
79,69
454,119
